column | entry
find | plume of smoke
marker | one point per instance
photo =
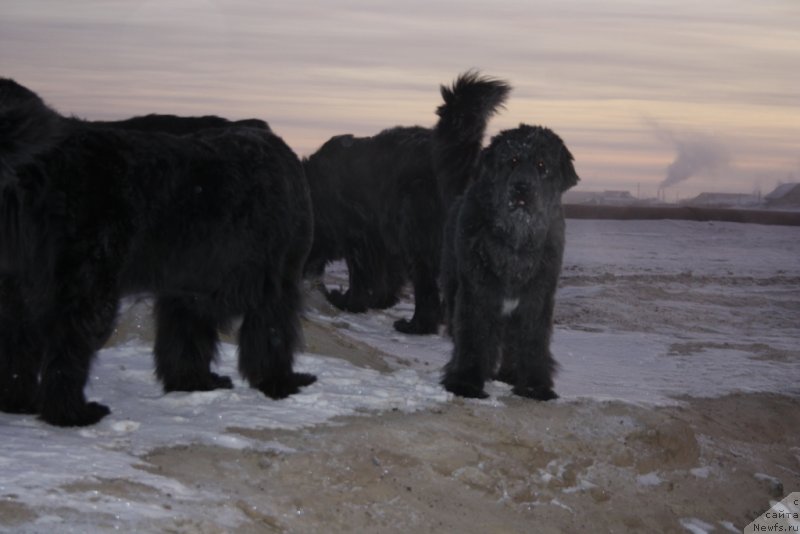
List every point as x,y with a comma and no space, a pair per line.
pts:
695,154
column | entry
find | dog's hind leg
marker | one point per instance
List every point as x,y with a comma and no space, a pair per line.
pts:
185,346
427,306
388,283
372,283
21,348
356,298
420,235
269,336
476,336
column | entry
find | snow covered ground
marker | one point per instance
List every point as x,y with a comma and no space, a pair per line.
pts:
649,312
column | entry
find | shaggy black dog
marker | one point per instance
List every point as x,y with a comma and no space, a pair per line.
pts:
215,225
504,242
373,207
377,204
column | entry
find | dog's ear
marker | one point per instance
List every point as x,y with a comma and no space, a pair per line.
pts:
27,125
569,177
486,159
485,166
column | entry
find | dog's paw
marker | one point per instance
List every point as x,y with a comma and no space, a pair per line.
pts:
344,302
86,414
336,297
208,382
280,389
464,389
406,326
221,382
382,302
303,379
535,392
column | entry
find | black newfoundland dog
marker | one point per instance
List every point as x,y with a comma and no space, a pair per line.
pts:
503,246
378,205
215,224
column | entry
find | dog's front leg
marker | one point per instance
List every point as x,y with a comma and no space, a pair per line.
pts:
526,347
74,336
21,349
476,336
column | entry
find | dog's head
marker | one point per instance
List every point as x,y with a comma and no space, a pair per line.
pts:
27,125
529,168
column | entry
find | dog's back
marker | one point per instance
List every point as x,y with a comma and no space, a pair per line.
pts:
356,177
178,125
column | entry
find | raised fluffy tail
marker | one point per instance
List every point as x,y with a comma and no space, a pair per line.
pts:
458,136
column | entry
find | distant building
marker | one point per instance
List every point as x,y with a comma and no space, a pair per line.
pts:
785,196
605,198
723,200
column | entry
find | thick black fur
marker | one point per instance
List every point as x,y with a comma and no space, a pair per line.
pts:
177,125
378,205
214,224
373,207
503,247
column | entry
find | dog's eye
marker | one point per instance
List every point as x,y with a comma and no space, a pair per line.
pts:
514,162
541,167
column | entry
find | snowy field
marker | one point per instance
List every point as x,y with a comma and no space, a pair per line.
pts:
649,313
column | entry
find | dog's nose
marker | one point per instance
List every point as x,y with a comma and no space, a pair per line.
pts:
520,194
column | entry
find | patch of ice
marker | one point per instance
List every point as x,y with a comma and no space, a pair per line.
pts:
649,479
701,472
766,478
582,485
696,526
556,502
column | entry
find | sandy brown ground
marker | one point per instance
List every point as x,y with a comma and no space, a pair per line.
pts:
582,466
515,466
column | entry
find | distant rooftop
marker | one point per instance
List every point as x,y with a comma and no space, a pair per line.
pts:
784,196
781,191
615,198
722,200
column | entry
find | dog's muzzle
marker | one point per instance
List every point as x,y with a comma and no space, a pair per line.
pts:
519,196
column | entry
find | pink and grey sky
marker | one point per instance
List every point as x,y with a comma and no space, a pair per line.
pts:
694,96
